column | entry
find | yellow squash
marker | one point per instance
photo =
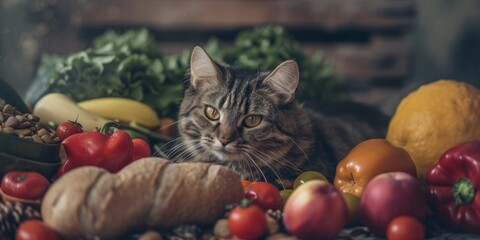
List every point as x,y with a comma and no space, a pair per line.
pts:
58,108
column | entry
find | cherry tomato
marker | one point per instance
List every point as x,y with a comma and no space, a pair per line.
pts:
25,185
265,195
245,184
307,176
247,221
35,230
405,227
141,149
353,205
67,129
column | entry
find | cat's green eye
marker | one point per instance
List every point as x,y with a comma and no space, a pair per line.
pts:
252,121
212,113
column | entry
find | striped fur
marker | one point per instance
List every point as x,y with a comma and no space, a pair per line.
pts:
290,138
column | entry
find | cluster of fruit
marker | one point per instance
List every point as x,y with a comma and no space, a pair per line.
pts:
385,184
429,160
24,189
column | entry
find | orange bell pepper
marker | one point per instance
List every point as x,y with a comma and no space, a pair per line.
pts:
367,160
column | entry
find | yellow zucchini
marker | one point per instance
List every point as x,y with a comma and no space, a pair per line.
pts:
58,108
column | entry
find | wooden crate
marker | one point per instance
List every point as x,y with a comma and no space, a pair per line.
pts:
365,39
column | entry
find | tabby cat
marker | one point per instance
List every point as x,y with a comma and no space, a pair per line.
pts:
250,122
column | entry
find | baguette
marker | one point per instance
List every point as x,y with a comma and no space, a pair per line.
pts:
90,202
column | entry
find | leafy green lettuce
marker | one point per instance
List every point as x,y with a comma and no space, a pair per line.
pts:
266,47
118,65
130,65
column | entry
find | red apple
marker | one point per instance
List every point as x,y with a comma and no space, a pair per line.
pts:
315,210
390,195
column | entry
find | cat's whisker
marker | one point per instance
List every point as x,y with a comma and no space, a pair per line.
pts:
207,152
203,156
272,167
173,150
256,165
301,149
171,141
285,162
180,146
189,151
159,150
236,166
169,125
275,158
245,165
187,154
195,151
251,151
252,171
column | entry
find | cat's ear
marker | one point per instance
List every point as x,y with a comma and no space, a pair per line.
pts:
283,81
203,70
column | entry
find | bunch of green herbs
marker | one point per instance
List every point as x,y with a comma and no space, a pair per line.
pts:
130,65
266,47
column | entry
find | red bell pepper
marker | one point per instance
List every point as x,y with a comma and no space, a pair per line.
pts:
111,152
141,149
454,185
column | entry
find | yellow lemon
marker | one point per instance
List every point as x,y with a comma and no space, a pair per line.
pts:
434,118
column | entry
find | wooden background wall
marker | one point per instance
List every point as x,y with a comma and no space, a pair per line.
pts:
365,39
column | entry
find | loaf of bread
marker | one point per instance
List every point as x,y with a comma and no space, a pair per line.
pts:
90,202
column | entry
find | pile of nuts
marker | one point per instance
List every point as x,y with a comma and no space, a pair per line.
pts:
24,125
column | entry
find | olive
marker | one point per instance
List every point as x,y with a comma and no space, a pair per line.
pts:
353,205
307,176
285,194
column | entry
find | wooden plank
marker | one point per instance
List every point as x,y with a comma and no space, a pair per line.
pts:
378,58
374,96
380,61
228,14
61,43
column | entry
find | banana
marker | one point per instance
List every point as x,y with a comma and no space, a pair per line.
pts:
122,109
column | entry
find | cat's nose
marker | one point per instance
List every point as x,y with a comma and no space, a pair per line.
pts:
225,140
226,134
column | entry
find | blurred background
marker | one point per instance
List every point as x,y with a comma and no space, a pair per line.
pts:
376,51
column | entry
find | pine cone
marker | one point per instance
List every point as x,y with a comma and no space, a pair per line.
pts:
12,214
184,232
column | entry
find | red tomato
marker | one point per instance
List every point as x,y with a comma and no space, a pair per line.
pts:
405,227
35,230
26,185
67,129
141,149
265,195
246,184
247,221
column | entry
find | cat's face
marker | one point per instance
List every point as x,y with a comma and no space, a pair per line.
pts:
236,117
